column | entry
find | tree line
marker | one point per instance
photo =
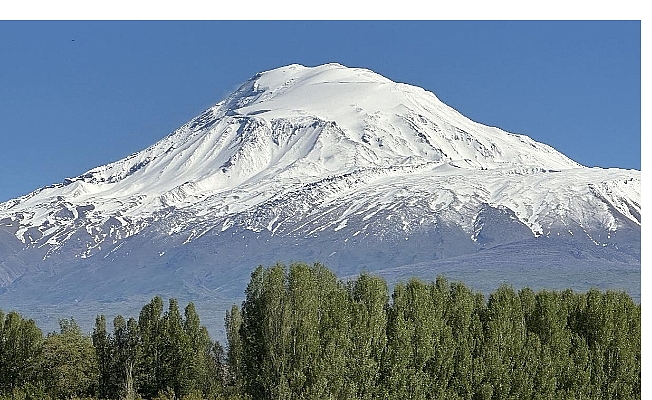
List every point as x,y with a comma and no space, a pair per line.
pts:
301,333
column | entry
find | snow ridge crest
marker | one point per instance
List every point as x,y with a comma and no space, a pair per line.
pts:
289,130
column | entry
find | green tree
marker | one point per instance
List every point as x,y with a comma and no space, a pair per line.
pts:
201,378
369,300
150,365
304,316
252,334
125,353
332,365
549,322
505,337
466,331
20,344
265,334
68,362
175,351
303,334
440,367
398,371
104,353
235,356
620,345
277,327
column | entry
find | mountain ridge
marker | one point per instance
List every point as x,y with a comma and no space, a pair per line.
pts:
301,162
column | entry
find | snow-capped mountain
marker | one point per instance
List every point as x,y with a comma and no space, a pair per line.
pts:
328,163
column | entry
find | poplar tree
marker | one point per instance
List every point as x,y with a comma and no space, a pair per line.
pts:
235,356
201,377
304,334
332,369
265,334
397,365
253,335
20,345
304,319
505,336
103,350
150,366
440,366
175,349
126,352
466,330
368,298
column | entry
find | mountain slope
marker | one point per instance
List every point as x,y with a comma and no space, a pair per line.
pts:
326,163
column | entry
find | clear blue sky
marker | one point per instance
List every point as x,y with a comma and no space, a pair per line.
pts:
75,95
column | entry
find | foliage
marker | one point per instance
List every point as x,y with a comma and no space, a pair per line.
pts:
68,362
20,346
303,334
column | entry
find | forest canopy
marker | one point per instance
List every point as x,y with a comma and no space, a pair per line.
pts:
301,333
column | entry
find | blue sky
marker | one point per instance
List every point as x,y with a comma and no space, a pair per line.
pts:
75,94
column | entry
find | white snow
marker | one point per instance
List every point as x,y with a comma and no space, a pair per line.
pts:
324,137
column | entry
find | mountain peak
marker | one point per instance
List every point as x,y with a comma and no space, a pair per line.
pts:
305,123
391,119
323,163
325,73
296,124
295,90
